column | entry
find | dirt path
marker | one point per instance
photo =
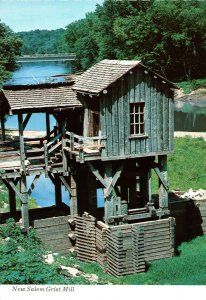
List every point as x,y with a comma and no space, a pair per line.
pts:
191,134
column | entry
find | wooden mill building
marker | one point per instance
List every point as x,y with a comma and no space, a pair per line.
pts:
115,125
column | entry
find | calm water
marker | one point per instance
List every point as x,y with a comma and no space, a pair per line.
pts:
189,116
40,72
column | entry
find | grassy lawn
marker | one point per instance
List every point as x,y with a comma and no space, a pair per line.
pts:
187,166
186,269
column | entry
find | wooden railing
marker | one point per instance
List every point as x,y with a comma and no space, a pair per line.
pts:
50,149
79,145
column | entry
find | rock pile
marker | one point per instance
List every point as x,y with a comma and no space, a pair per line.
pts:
195,195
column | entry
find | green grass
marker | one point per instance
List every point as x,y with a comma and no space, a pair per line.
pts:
186,269
191,85
187,166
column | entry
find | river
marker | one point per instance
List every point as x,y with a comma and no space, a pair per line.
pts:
189,116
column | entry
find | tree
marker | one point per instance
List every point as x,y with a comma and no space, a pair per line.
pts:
9,49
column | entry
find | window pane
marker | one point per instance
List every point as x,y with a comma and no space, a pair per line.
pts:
137,118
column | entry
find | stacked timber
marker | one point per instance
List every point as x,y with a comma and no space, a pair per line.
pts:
54,232
85,237
120,250
101,230
158,239
138,248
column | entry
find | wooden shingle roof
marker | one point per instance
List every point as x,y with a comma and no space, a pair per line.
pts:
40,96
102,74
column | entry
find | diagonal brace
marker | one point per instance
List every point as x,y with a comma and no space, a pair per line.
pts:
33,184
65,183
163,181
26,120
12,185
113,181
97,175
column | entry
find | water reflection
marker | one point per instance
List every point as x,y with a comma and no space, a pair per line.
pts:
190,116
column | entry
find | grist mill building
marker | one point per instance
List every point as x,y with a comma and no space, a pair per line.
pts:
115,127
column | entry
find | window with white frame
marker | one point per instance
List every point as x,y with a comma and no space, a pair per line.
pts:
137,123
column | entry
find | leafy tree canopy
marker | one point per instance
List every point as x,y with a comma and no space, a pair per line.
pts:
9,49
41,41
169,36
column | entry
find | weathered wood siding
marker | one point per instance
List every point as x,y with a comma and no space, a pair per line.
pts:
159,116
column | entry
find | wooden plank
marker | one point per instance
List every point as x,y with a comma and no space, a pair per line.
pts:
121,119
115,127
126,109
165,122
109,124
171,124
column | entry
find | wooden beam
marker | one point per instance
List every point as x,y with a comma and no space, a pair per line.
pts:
9,182
113,181
21,141
26,120
163,189
73,198
24,203
58,191
3,127
65,183
150,185
97,174
64,144
48,126
33,184
161,178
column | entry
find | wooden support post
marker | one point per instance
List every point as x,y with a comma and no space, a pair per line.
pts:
64,155
150,185
48,126
24,203
58,192
73,195
163,192
132,192
92,195
108,203
144,188
21,142
12,200
3,128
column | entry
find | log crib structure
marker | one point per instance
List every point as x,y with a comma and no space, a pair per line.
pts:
115,126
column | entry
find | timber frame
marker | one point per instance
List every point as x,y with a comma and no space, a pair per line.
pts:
94,144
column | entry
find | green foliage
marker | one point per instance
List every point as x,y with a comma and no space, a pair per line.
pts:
191,85
41,41
22,258
187,167
169,36
9,49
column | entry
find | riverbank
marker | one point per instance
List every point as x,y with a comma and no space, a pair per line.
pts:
199,94
190,134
